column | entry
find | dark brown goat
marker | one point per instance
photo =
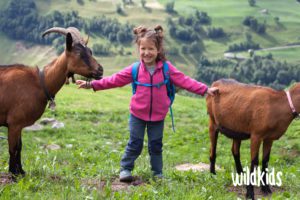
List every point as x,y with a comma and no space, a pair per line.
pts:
25,91
241,112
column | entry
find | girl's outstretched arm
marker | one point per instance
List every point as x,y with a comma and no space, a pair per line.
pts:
186,82
183,81
119,79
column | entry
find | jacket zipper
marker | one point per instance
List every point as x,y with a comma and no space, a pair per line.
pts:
150,113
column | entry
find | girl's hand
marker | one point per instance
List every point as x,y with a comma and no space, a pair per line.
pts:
83,84
212,91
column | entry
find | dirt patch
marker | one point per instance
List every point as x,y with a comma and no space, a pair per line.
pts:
194,167
55,178
5,179
116,185
241,191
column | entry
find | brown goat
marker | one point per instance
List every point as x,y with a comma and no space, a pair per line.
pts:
25,91
242,111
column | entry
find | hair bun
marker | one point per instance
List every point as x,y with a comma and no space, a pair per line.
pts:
159,31
139,30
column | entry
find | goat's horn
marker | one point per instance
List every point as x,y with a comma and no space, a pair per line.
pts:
74,32
55,30
76,35
87,40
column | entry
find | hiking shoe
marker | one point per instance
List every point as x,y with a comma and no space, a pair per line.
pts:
125,176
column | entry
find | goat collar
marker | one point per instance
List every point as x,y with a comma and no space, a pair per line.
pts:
48,95
295,114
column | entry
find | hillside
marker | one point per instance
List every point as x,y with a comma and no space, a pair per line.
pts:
228,15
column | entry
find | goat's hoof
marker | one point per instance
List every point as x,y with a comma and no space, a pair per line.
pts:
250,194
22,172
266,190
16,177
17,173
213,171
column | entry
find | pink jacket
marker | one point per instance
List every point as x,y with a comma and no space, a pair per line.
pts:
150,103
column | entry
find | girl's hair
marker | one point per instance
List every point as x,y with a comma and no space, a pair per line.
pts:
156,35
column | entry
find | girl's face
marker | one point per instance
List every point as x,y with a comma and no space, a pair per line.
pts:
148,51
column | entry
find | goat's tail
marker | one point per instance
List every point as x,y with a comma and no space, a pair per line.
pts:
209,100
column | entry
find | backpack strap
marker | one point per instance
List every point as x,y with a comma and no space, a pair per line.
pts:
134,73
170,90
166,71
170,86
171,114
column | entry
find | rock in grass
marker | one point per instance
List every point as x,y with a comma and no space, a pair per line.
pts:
194,167
34,127
57,125
53,147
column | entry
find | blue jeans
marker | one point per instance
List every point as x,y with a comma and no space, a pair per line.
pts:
135,145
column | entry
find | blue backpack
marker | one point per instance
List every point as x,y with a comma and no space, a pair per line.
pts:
170,86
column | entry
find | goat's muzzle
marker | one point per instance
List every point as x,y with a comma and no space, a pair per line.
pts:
99,73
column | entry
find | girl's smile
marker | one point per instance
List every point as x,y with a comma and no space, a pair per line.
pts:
148,51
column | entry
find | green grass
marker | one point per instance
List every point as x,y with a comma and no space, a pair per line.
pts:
96,124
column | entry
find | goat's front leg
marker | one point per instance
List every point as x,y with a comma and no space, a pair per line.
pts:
73,79
267,145
213,133
15,147
255,144
236,144
18,159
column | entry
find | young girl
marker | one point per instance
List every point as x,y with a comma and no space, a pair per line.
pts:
149,105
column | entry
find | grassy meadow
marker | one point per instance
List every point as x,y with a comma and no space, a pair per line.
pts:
94,138
86,166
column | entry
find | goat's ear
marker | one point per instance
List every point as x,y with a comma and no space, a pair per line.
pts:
87,40
69,42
